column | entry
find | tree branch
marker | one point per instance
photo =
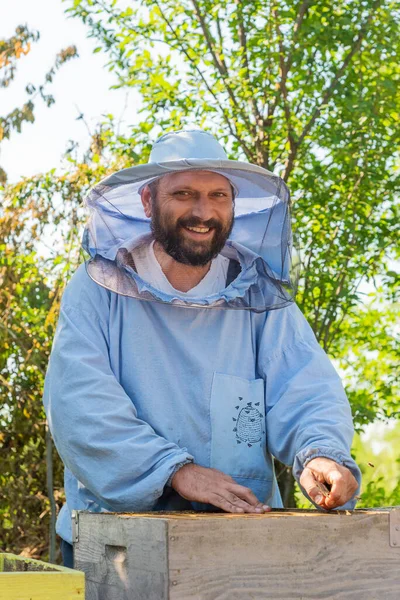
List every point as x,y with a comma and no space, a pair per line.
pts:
332,311
329,91
346,205
6,383
287,65
301,13
246,149
284,70
307,270
262,155
219,64
21,345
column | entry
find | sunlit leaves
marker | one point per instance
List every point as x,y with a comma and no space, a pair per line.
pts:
41,222
11,50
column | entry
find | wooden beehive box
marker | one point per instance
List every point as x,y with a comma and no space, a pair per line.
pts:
27,579
185,556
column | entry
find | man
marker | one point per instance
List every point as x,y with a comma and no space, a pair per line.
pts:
181,364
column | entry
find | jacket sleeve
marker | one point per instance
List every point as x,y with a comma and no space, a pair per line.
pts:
307,411
94,423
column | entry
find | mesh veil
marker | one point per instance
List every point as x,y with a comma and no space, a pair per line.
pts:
260,244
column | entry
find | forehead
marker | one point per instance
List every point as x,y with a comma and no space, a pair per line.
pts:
194,179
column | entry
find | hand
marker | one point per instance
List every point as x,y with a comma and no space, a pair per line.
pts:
200,484
343,484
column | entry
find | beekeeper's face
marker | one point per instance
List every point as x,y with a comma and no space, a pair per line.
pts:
191,214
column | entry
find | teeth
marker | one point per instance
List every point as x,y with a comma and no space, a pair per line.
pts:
199,229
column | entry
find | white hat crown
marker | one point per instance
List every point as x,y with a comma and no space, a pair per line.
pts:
186,144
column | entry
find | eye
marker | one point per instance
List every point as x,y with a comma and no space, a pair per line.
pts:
182,193
221,195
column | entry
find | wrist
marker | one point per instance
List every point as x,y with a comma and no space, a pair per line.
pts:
178,468
180,472
320,460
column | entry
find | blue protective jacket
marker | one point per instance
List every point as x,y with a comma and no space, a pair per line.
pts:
135,389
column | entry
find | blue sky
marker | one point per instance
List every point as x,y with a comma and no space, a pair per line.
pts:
81,85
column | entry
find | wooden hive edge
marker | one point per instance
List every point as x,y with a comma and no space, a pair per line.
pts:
275,513
39,565
44,581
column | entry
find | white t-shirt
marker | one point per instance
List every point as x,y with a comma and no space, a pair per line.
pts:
149,269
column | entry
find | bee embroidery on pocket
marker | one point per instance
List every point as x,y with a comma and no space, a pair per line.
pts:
249,424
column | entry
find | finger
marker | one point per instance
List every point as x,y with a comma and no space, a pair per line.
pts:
232,503
224,504
344,485
246,494
338,490
248,508
308,482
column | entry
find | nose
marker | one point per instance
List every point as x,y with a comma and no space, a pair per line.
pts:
202,208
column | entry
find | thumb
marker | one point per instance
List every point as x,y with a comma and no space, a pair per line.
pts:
315,489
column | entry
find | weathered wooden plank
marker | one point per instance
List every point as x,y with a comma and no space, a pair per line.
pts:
123,559
194,556
27,579
284,556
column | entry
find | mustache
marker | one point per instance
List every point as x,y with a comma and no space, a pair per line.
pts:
195,222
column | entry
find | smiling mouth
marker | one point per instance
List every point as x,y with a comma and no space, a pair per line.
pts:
199,231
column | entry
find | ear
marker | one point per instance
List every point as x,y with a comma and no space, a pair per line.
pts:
146,201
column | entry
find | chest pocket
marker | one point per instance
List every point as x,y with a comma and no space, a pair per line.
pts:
238,427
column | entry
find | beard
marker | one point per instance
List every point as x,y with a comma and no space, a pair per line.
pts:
170,235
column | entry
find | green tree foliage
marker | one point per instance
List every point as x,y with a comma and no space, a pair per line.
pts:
40,231
306,89
25,335
379,459
27,305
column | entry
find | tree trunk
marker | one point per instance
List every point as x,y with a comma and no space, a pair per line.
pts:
286,484
50,494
